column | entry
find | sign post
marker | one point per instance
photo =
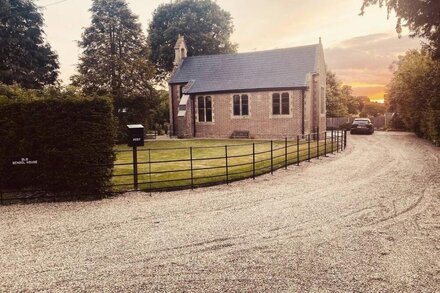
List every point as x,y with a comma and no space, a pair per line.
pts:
135,139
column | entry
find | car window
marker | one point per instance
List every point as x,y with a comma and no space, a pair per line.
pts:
360,122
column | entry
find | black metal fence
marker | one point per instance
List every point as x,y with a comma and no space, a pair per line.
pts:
190,167
160,169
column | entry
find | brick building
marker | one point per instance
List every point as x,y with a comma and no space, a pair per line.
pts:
268,94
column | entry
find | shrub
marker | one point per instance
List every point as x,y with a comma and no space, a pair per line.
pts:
397,122
130,110
71,137
345,126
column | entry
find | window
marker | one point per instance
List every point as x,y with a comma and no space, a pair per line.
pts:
285,105
240,105
204,104
280,104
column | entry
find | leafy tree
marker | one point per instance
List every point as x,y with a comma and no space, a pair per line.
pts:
414,93
159,115
373,109
362,100
25,57
207,29
115,62
115,53
422,17
340,100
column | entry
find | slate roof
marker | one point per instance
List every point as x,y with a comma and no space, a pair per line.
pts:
281,68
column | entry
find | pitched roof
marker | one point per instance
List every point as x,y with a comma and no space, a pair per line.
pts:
281,68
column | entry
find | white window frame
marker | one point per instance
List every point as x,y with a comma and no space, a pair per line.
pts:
291,97
204,112
241,116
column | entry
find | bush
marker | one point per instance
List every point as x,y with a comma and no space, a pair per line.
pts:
345,126
71,137
130,110
396,122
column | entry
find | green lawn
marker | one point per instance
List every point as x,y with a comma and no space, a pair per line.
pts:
170,161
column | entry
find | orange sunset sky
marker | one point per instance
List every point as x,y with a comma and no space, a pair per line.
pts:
359,49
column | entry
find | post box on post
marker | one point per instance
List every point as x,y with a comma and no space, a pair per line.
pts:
135,139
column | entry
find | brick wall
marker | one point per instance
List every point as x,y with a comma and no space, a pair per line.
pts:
260,123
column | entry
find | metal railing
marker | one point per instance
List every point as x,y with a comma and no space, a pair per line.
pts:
192,167
161,169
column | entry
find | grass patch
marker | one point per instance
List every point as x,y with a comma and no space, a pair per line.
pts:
168,164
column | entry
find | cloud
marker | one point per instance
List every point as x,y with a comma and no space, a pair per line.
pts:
364,62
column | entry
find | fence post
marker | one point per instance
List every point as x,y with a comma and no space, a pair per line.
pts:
317,143
227,166
285,153
149,169
308,147
297,150
191,163
325,144
271,157
333,147
135,169
337,141
345,139
253,160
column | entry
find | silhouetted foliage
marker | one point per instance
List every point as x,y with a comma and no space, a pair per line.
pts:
373,109
25,57
206,27
414,93
114,62
422,17
340,100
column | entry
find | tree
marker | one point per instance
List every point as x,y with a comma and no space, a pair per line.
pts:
115,62
414,93
115,53
422,17
159,115
362,100
25,57
340,100
373,109
207,29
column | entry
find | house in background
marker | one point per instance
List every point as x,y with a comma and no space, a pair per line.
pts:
268,94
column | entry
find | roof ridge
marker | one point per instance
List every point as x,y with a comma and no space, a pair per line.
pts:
253,52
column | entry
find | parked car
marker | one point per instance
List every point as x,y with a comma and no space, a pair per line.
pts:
362,125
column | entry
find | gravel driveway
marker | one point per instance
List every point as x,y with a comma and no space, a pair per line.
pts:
367,219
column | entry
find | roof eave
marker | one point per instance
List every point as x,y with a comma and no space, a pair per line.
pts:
268,89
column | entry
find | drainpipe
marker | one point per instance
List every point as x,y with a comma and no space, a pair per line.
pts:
303,91
193,114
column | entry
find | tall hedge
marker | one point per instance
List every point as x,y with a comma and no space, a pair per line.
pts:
71,138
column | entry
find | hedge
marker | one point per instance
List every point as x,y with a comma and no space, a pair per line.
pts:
71,138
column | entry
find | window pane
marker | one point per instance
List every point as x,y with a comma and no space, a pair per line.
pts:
244,105
276,104
201,106
285,108
208,109
236,105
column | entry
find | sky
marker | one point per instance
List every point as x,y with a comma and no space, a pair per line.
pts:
359,49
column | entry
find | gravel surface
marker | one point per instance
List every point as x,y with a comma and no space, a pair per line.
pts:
367,219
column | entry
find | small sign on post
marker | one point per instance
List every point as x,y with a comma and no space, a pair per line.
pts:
135,135
135,139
